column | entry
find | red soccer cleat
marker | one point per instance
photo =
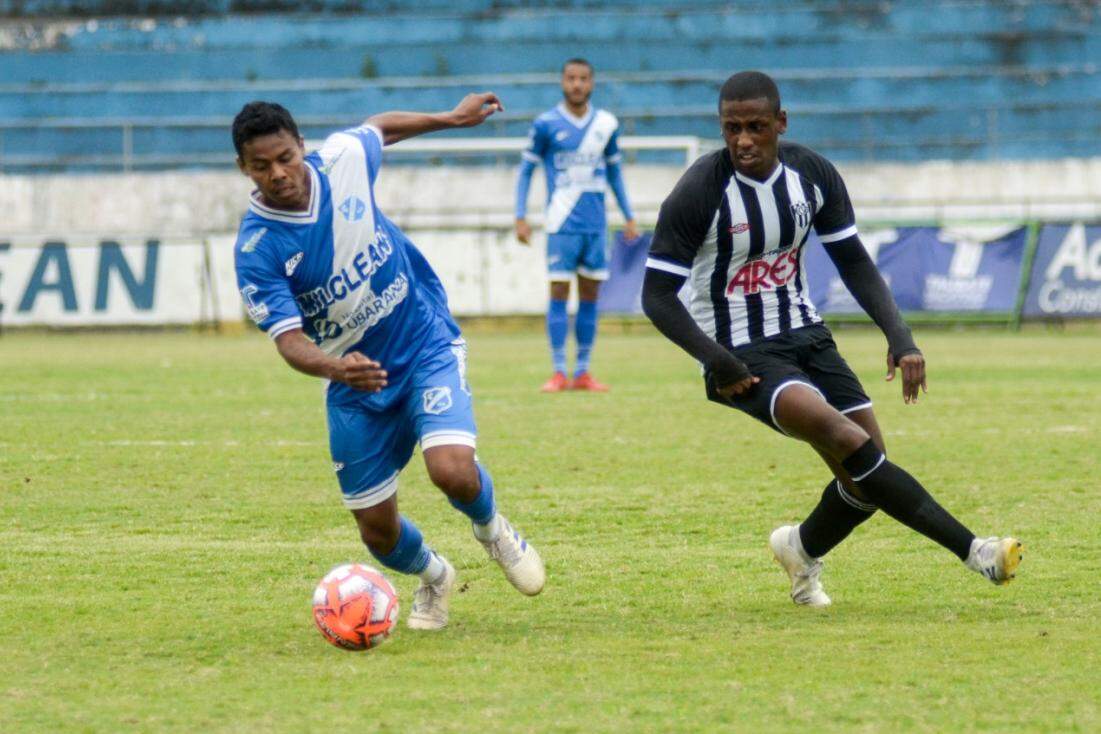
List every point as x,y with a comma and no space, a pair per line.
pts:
585,381
557,383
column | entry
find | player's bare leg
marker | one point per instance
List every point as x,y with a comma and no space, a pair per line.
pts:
397,543
469,487
558,324
802,413
588,291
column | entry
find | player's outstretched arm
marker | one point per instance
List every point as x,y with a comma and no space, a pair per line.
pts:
474,109
865,282
352,369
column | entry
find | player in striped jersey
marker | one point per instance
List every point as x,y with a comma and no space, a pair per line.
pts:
734,229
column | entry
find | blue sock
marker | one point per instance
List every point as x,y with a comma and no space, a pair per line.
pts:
585,331
558,325
482,509
410,554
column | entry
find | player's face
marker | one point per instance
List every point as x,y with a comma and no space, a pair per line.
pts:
752,130
274,163
577,84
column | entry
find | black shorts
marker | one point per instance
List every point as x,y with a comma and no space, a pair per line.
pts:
805,356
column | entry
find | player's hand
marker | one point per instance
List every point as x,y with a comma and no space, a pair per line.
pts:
913,375
359,372
475,108
523,231
728,392
630,232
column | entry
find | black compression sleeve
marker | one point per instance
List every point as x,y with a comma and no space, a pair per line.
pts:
864,281
661,305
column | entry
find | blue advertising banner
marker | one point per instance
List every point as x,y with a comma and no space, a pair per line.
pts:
945,269
949,269
1066,272
622,292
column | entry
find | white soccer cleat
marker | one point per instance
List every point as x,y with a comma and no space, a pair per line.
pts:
996,558
430,601
806,587
521,563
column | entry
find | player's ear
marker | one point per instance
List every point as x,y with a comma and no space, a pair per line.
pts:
301,143
241,165
782,122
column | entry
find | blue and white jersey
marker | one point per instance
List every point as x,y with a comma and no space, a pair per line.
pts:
341,271
580,157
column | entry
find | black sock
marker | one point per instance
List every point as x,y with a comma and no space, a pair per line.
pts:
832,519
903,498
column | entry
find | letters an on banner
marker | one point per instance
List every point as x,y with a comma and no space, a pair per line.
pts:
90,281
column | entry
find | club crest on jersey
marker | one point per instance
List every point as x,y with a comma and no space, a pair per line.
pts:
770,271
291,264
739,228
352,208
437,400
801,212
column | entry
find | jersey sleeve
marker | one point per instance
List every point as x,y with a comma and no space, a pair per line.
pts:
835,219
683,220
536,146
365,140
612,154
265,290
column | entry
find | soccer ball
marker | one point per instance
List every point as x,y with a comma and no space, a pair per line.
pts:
355,607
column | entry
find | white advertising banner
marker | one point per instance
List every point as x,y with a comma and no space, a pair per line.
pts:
93,280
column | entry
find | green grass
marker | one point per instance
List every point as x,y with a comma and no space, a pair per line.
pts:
167,503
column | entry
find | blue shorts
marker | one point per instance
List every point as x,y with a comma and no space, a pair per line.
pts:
369,448
577,252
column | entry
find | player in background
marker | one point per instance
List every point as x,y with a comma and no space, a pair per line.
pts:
348,298
734,227
579,149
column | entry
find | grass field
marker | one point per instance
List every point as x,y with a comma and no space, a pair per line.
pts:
167,504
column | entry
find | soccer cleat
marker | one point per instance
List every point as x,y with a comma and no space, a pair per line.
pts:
430,601
996,558
585,381
806,587
557,383
521,563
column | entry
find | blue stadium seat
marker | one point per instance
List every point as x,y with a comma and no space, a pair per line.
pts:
903,80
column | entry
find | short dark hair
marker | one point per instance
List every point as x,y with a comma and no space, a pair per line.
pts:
261,118
750,85
578,61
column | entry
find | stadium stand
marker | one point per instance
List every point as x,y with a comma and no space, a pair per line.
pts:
138,85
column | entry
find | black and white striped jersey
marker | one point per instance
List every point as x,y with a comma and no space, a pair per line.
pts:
739,242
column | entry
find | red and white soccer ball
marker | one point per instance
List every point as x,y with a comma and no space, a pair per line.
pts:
355,607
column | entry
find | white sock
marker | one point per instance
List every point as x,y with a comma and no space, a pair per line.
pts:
973,561
797,541
435,569
488,533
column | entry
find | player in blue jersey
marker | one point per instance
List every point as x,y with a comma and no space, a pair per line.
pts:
578,146
348,298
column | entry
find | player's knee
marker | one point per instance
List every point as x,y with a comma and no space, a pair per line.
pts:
454,476
844,437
